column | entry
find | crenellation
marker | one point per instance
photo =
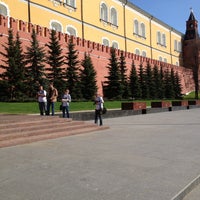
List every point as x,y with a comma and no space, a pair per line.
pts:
100,53
22,26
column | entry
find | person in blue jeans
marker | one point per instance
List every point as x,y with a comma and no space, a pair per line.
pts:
66,99
98,109
42,100
51,99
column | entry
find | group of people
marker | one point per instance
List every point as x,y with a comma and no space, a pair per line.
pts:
46,101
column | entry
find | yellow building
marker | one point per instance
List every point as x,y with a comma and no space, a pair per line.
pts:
116,23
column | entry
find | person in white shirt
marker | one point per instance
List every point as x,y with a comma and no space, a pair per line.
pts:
42,100
98,109
66,99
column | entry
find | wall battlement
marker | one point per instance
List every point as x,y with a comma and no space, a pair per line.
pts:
99,53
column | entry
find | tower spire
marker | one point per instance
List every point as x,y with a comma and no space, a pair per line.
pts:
191,27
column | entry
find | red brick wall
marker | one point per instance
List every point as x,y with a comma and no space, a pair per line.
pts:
99,54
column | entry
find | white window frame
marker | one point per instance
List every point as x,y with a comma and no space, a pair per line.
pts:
105,41
104,12
73,29
56,23
113,16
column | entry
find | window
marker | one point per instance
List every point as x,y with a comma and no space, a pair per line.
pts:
137,52
136,28
143,32
56,26
158,37
3,10
175,45
70,3
179,47
115,45
160,58
165,60
71,31
163,40
105,42
144,54
113,16
104,12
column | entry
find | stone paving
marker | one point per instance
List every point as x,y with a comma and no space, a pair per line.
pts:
141,157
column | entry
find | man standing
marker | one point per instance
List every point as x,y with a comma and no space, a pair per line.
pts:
42,100
98,109
51,99
66,99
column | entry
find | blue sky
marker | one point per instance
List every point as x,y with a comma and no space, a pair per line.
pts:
175,13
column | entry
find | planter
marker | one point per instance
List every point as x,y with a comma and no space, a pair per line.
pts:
179,103
194,102
161,104
133,106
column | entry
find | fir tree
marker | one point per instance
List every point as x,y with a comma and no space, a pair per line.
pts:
178,87
150,90
35,57
169,89
113,88
157,82
14,75
161,89
141,78
123,76
134,84
72,71
55,61
88,78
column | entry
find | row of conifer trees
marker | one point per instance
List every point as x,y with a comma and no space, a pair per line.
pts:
24,71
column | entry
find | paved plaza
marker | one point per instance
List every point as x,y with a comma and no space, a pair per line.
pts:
141,157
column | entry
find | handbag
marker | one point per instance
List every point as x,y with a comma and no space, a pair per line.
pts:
104,110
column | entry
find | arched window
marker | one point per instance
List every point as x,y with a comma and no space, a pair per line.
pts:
143,32
136,27
158,37
179,47
164,39
160,58
105,42
144,54
56,26
70,3
3,10
104,12
115,45
71,31
165,60
175,45
113,16
137,52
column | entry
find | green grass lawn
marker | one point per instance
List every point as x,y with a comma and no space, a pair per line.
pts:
32,107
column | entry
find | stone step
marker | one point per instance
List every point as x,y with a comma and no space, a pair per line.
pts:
36,138
34,126
21,129
46,130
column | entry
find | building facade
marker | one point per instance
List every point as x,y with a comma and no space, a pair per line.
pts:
96,26
116,23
